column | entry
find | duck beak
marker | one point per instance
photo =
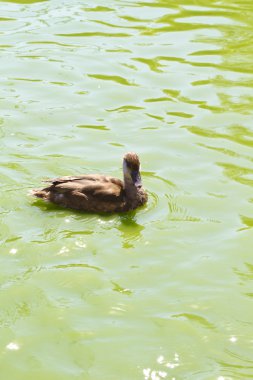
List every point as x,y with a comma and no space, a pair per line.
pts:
136,177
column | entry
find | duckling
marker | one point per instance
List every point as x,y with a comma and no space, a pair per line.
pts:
98,193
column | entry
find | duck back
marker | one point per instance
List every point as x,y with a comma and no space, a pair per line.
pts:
93,192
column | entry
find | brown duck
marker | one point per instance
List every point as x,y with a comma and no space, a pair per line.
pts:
98,193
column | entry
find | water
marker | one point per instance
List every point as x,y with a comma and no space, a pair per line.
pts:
161,293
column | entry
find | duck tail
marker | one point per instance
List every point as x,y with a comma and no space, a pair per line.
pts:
39,193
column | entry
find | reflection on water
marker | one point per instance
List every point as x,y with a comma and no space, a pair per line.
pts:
81,85
130,230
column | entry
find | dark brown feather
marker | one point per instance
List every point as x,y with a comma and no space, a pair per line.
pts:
95,193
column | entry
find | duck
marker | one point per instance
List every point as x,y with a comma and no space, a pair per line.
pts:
98,193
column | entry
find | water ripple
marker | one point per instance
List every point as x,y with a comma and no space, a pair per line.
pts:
114,78
76,265
93,34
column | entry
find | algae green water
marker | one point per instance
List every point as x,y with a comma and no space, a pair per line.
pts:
165,292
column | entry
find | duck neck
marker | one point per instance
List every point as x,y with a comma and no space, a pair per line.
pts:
130,188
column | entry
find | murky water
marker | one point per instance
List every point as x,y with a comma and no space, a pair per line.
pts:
162,293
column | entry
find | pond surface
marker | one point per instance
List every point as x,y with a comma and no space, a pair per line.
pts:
161,293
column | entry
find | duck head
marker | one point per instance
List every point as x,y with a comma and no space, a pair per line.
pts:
131,169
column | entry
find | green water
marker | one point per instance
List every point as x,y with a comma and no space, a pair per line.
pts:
162,293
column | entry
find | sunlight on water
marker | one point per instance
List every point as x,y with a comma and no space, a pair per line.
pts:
12,346
164,292
163,372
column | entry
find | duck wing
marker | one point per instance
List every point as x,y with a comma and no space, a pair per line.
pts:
92,186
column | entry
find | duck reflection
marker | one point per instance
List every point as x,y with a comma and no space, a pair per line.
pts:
130,230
